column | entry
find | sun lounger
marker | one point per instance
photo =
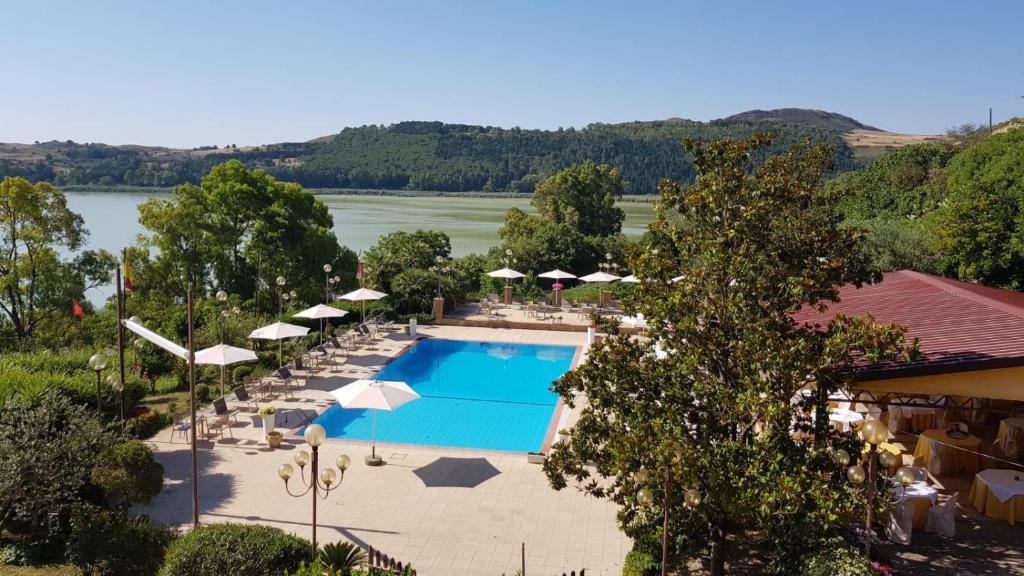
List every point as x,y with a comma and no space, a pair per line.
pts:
242,397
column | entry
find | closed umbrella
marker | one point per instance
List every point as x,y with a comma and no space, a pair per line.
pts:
320,312
363,295
374,395
223,355
278,331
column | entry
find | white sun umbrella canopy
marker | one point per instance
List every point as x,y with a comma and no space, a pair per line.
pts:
600,277
557,275
321,312
363,295
278,331
223,355
506,273
630,279
374,395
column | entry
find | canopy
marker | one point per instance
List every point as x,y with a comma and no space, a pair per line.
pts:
374,394
631,279
224,355
599,277
557,275
157,339
278,331
637,321
506,273
321,311
362,295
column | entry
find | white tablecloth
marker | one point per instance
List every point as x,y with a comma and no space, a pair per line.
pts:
919,490
1001,483
845,418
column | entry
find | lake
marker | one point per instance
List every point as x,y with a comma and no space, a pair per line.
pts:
112,218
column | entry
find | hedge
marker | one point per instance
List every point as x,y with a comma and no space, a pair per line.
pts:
222,549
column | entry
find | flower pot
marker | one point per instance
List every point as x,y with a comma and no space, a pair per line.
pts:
535,457
268,422
274,439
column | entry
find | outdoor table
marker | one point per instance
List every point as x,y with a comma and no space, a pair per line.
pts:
845,420
998,494
922,497
963,460
1012,451
921,417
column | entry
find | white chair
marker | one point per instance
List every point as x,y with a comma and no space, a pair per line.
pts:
940,459
942,517
896,419
901,523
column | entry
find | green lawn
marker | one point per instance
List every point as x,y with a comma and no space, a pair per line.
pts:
62,570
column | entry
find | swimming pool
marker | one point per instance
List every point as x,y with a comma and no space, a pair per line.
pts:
487,395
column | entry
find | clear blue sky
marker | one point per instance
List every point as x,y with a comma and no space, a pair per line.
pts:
189,73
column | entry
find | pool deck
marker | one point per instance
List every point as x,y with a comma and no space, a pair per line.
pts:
448,511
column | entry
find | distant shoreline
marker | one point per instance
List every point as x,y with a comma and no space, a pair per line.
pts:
643,199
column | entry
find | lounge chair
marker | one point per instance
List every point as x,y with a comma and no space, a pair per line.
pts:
284,375
220,408
242,397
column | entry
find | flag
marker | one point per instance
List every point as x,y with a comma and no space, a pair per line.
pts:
76,309
127,275
359,270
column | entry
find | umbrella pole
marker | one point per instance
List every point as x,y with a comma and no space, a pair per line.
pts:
279,355
221,379
321,331
373,447
362,311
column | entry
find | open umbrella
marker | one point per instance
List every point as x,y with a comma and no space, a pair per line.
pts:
600,277
363,295
558,276
278,331
319,312
507,274
223,355
374,395
631,279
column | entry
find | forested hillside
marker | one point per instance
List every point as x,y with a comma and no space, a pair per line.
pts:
433,155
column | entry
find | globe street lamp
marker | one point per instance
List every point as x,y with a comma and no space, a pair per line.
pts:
280,281
440,268
327,283
874,433
115,385
325,480
97,363
691,500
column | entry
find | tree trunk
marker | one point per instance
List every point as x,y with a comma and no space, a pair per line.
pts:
717,551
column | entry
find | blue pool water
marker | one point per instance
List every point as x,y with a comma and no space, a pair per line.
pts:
486,395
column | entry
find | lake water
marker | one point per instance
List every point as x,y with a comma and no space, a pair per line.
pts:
112,218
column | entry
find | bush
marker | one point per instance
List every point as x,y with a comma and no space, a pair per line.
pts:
837,560
130,471
639,563
342,557
240,373
221,549
148,425
202,393
102,543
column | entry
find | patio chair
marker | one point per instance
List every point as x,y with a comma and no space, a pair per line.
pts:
220,408
180,426
217,425
322,356
242,397
284,375
901,523
942,517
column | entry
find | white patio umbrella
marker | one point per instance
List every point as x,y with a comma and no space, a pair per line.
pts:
278,331
320,312
374,395
363,295
600,277
637,321
558,275
507,274
630,280
223,355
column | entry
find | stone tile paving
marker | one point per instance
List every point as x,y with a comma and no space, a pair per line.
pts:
442,526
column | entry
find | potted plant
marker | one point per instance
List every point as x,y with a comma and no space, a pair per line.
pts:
274,439
535,457
269,415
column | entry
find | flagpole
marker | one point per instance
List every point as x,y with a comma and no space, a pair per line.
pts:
192,411
120,334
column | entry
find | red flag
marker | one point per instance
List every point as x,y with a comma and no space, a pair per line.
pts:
76,309
127,276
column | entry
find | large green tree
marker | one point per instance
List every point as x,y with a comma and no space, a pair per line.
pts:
238,230
38,282
706,401
979,233
398,252
582,196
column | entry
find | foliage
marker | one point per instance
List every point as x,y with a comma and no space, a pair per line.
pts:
897,244
267,410
837,559
639,563
216,549
413,290
148,425
105,544
28,374
438,156
202,393
129,471
48,449
538,245
36,283
586,292
344,557
582,196
979,233
715,413
236,226
398,252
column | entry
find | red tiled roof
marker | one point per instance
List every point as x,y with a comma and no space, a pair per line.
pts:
960,326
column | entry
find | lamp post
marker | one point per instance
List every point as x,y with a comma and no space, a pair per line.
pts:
222,297
324,480
280,281
691,500
115,385
327,283
874,433
440,268
97,363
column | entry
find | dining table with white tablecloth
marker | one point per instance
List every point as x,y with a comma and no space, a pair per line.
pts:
1010,437
923,497
999,494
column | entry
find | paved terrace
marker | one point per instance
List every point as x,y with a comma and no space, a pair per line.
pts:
459,521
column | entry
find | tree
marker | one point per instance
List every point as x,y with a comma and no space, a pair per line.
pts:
582,196
398,252
36,282
715,413
129,471
238,230
979,232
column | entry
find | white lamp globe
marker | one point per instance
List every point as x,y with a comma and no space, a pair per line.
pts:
314,435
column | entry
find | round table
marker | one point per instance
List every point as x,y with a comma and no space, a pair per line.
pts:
999,494
923,497
962,460
844,420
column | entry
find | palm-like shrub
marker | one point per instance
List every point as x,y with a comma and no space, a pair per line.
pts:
342,556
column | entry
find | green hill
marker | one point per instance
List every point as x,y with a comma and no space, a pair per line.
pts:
435,155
